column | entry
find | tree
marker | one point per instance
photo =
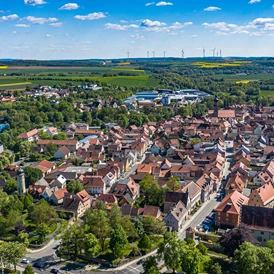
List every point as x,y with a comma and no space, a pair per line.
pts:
233,239
12,252
191,257
270,244
42,231
173,183
50,150
92,246
25,148
32,175
202,248
10,186
150,265
144,243
253,259
13,218
153,226
74,186
27,200
98,223
43,213
170,250
118,240
60,136
28,270
115,215
139,227
23,238
216,269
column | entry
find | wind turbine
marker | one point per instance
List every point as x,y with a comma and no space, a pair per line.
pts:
147,54
213,52
128,55
183,54
164,54
153,54
203,52
220,53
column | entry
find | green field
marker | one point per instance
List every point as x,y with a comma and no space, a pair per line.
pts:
266,93
254,77
19,77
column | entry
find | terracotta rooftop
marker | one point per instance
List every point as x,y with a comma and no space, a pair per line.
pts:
26,135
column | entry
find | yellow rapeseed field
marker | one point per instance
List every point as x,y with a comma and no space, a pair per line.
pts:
242,82
3,67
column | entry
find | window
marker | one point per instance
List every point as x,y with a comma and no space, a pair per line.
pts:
226,214
218,218
259,239
262,233
219,213
226,220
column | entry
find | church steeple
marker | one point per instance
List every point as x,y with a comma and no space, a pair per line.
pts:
216,106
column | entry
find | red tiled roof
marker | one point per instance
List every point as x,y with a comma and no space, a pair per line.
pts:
58,142
26,135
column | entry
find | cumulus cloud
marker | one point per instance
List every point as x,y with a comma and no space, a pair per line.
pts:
120,27
91,16
149,24
41,20
9,17
70,6
163,3
149,4
48,35
212,9
34,2
156,26
22,26
56,25
254,1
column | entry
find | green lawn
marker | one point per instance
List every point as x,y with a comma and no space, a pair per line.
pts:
265,93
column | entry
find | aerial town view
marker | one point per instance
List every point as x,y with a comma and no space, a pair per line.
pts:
137,136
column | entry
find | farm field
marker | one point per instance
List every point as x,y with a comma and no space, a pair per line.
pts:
266,93
218,64
249,77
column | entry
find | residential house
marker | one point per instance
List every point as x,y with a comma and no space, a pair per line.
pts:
57,197
228,211
236,182
107,199
94,185
186,172
260,220
206,187
59,182
266,175
30,136
172,198
62,153
45,166
176,217
262,196
72,145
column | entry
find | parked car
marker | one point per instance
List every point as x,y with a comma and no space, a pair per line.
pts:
54,270
205,227
25,261
141,261
207,221
210,218
40,265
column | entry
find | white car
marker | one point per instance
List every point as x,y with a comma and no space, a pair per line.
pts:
25,261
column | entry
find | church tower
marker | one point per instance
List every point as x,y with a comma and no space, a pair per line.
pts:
21,184
216,106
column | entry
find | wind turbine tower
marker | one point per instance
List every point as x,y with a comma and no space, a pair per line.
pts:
213,52
164,54
203,52
153,54
220,53
183,54
147,54
128,55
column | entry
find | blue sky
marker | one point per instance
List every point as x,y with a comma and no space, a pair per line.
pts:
68,29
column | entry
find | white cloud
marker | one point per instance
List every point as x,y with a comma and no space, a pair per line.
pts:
48,35
9,17
254,1
70,6
120,27
156,26
194,36
22,26
41,20
212,9
163,3
14,32
149,4
138,36
56,25
91,16
34,2
149,24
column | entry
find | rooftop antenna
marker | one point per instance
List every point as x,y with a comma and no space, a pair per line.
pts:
183,54
148,54
153,54
203,52
164,54
213,52
128,55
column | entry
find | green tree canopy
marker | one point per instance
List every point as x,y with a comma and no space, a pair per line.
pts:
32,175
74,186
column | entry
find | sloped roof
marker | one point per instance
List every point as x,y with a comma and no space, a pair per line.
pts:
266,192
232,203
